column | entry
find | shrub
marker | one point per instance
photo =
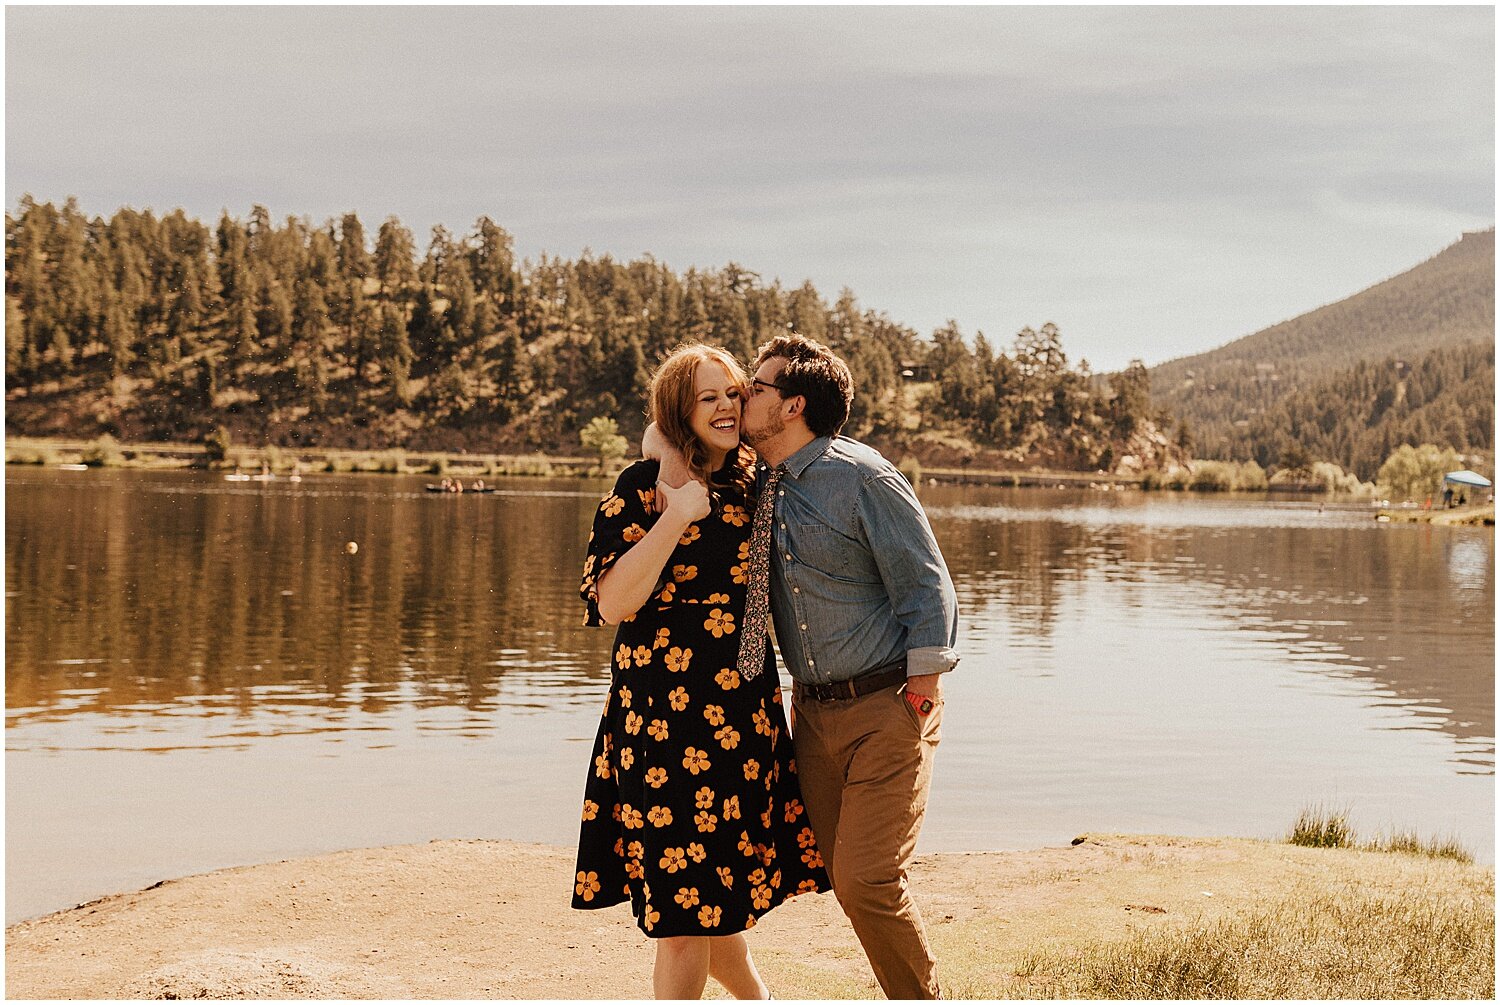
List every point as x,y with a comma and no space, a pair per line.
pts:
1212,476
103,452
1317,827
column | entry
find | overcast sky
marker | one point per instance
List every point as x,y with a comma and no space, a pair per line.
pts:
1157,181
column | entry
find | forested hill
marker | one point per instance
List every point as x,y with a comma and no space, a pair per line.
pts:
1446,302
151,327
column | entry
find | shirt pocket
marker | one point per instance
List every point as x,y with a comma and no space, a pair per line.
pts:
824,550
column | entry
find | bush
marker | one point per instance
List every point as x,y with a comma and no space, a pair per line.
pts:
1416,472
602,438
1212,476
216,445
911,468
103,452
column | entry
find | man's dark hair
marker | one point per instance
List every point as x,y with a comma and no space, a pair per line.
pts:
814,371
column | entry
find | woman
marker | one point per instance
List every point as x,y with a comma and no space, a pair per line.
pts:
692,810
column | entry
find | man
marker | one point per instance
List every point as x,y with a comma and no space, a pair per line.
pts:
866,619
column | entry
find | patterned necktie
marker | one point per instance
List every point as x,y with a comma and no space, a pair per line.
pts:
758,583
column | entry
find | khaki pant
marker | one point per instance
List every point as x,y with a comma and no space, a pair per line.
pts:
864,765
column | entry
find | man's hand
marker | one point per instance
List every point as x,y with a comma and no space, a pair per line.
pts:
926,686
674,470
686,503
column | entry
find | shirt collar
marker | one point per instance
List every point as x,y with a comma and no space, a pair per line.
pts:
798,462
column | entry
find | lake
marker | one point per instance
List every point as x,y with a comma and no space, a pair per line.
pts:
199,673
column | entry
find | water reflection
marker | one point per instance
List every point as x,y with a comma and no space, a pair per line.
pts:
1158,663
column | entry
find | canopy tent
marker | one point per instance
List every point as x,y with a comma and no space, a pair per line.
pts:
1466,477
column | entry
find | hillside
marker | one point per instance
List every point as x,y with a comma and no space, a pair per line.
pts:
1445,302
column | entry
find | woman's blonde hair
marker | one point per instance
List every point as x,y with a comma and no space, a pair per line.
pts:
674,395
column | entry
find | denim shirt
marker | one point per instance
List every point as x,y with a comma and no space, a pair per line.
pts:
857,580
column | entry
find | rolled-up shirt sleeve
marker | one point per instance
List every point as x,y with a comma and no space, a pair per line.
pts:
911,565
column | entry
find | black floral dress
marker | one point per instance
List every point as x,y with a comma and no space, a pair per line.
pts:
692,810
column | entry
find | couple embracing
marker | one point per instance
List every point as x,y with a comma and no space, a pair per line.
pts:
700,809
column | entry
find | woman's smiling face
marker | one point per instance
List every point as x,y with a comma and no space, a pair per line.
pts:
717,398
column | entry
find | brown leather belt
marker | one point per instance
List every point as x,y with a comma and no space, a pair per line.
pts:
868,682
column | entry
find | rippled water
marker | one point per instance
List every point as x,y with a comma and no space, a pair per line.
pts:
200,673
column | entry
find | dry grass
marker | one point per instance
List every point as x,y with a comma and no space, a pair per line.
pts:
1317,827
1345,943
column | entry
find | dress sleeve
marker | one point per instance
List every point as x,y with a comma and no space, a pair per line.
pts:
622,519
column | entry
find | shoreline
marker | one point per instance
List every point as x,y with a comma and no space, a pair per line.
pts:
491,919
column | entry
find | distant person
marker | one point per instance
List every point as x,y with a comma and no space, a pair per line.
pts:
1448,497
692,811
866,620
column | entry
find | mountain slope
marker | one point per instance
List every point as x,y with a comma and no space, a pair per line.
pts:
1446,301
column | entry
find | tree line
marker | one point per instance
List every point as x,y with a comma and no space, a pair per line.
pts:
295,332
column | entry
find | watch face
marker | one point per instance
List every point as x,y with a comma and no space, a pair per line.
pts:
926,705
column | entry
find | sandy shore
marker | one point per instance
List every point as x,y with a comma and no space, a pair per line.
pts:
490,919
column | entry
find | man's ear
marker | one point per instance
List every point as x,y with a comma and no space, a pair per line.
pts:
795,406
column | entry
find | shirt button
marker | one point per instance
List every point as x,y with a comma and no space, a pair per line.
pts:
783,526
788,557
811,663
781,492
796,589
804,628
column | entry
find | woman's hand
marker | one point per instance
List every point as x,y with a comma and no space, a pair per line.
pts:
688,503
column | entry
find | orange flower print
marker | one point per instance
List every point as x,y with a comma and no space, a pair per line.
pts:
665,596
656,777
662,638
648,496
719,624
776,880
678,699
739,573
760,897
752,770
793,811
590,809
767,854
762,722
813,858
683,573
587,886
746,847
633,533
625,697
687,896
690,535
717,598
704,798
805,838
635,849
614,811
732,808
651,917
708,917
728,678
726,876
749,921
728,737
706,822
627,758
697,852
642,656
765,819
660,816
622,656
808,886
612,505
714,714
619,842
673,860
735,516
695,760
633,723
601,765
588,565
634,870
678,659
657,729
630,817
776,697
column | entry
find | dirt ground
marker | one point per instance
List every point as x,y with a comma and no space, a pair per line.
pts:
491,919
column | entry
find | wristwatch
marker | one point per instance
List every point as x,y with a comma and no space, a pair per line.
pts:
921,703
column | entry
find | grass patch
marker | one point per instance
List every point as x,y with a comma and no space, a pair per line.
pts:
1341,944
1317,827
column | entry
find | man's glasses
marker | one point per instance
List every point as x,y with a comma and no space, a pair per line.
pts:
756,384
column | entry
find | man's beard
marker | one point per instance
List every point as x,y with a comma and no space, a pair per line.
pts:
773,426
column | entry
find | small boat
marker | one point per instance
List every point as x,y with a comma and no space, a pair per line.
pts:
238,476
73,467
